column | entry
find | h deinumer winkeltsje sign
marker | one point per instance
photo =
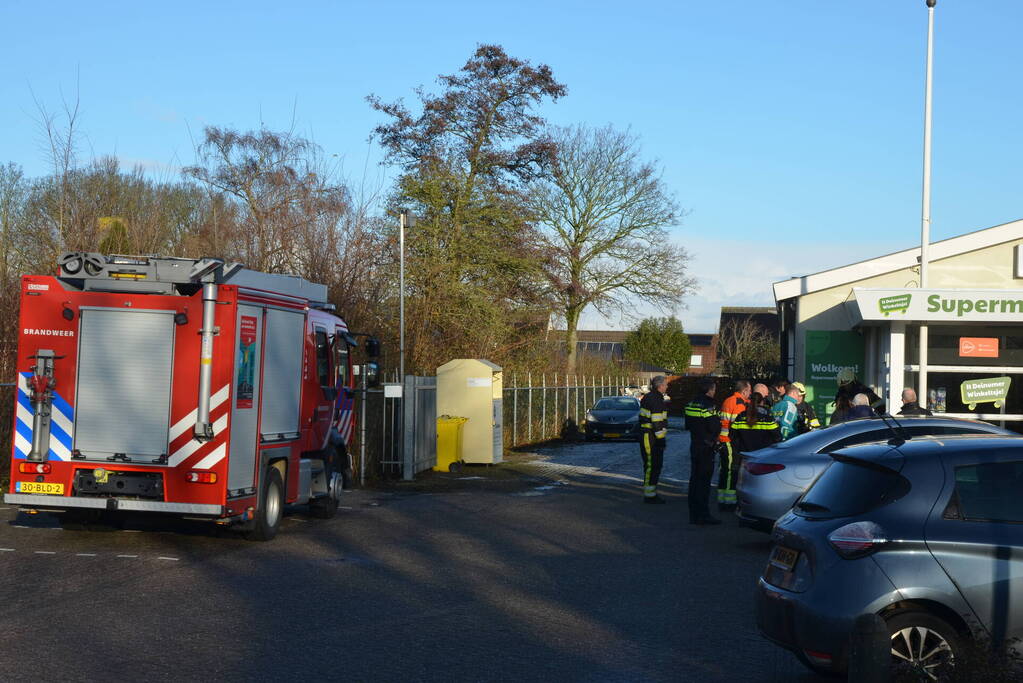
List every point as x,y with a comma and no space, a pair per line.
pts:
968,305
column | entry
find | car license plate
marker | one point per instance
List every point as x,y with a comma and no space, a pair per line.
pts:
612,435
50,488
784,558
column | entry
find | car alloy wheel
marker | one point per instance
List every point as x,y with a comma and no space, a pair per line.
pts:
921,649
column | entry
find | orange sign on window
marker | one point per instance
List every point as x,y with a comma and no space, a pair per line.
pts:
978,347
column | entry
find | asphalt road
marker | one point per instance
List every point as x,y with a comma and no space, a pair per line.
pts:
556,571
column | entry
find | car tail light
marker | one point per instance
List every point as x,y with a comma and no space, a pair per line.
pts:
201,477
857,539
762,467
35,467
818,658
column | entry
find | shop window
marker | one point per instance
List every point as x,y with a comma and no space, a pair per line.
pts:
696,361
990,492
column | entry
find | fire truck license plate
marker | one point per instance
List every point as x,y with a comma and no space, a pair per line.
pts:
49,488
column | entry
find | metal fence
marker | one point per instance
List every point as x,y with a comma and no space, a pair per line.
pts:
542,407
536,408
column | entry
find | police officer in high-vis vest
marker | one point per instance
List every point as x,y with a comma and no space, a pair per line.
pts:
653,430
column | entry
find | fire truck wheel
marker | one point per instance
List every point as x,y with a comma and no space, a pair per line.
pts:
325,507
344,466
268,515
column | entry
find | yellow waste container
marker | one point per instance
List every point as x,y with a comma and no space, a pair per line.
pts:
449,443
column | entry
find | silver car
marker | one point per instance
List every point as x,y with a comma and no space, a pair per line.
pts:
772,478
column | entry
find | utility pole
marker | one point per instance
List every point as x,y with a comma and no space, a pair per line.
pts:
402,223
925,219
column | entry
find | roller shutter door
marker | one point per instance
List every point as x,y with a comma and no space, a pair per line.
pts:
125,362
282,374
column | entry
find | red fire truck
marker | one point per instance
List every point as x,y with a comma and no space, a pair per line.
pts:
184,386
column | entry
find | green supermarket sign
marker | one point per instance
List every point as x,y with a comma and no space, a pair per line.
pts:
894,304
989,390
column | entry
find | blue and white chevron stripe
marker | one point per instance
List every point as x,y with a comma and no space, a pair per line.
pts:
62,424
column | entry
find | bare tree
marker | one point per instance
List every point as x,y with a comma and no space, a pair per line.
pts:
604,213
59,133
286,193
747,350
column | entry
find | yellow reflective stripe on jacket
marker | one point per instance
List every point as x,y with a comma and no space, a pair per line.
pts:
643,412
767,425
698,412
659,416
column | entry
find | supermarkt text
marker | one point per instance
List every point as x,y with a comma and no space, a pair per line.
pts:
935,303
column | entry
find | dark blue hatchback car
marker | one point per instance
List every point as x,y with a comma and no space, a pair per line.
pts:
927,534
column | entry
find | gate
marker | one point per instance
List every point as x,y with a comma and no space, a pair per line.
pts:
393,442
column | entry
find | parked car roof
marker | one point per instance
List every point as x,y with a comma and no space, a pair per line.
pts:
928,445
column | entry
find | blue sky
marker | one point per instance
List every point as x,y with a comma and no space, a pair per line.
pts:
789,129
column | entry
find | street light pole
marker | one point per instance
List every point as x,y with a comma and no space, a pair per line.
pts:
402,222
925,219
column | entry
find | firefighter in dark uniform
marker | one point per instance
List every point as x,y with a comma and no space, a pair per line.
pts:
704,427
653,431
807,421
849,386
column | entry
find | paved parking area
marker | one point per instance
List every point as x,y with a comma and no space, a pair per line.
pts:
565,575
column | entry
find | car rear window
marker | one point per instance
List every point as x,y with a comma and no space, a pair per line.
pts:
990,492
851,487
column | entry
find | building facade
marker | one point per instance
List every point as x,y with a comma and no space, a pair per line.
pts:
870,317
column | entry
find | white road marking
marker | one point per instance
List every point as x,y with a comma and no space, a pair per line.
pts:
131,556
6,508
172,559
45,552
6,550
132,531
85,554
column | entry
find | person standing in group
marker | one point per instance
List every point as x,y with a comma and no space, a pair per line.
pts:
755,428
704,428
786,412
860,407
728,472
653,429
910,405
777,391
807,415
843,404
849,386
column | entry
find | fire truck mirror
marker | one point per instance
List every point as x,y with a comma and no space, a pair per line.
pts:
372,371
373,347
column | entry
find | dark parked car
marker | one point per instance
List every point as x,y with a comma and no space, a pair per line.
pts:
928,535
772,478
613,417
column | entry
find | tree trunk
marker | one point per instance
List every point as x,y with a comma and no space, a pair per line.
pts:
571,347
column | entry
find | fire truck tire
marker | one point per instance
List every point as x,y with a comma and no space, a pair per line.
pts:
271,510
345,467
325,507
